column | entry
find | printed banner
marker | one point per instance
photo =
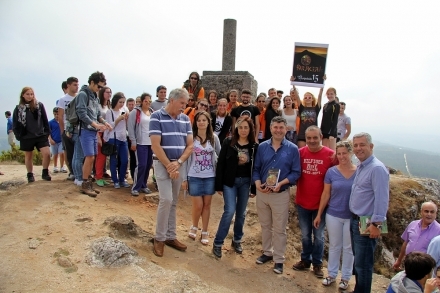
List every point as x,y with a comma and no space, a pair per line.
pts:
309,64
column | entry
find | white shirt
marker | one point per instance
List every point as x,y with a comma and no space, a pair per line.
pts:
62,104
291,119
120,129
145,129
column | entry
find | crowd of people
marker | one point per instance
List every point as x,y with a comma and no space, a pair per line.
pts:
239,147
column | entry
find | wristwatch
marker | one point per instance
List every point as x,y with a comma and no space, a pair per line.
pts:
378,226
179,161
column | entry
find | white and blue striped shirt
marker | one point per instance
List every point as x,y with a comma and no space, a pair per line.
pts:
173,132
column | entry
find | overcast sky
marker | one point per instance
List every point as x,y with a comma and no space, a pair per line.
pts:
383,58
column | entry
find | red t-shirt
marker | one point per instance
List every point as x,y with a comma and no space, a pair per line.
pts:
311,183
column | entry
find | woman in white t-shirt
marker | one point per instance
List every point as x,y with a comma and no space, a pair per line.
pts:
290,113
117,117
104,104
200,176
138,133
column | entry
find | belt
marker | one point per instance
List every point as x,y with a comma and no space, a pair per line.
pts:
355,217
157,159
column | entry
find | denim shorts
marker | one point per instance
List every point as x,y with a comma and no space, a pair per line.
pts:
57,148
89,142
201,186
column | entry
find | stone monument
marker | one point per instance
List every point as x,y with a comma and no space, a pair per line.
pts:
228,78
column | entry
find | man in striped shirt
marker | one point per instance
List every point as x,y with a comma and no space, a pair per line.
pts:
172,144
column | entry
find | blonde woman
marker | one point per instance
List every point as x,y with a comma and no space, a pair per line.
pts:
31,128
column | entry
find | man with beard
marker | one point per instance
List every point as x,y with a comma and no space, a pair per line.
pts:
247,109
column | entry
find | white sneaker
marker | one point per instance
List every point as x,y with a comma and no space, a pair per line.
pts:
79,183
328,280
55,170
343,285
63,170
75,181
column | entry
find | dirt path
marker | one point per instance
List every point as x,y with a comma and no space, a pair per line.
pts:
54,218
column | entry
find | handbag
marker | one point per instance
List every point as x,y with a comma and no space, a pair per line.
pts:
109,149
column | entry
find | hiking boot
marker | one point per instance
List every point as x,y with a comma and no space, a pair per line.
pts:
301,266
264,259
176,244
237,247
317,270
278,268
97,191
158,247
87,189
30,177
217,251
45,175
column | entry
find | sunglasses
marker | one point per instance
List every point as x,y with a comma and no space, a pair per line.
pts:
203,105
261,101
100,86
195,78
192,100
342,103
307,98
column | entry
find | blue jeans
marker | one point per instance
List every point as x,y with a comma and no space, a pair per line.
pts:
118,176
78,157
363,250
236,199
312,251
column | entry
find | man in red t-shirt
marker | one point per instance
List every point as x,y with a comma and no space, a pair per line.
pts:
315,160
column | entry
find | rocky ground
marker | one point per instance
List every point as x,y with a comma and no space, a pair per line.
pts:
50,236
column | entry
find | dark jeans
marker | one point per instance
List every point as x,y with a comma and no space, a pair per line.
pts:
236,199
68,146
312,251
133,162
118,174
145,158
363,250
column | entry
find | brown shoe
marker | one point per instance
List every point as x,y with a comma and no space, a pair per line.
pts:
86,188
158,247
301,266
176,244
93,188
318,271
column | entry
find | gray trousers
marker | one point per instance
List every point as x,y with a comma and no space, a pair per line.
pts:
168,193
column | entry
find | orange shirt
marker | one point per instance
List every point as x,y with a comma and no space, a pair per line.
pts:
262,120
190,112
230,106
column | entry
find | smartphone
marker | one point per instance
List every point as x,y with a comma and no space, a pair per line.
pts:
122,113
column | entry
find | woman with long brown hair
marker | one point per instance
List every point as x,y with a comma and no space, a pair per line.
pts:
194,86
31,128
233,182
200,173
272,110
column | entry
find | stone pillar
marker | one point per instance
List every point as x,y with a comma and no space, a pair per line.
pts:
229,43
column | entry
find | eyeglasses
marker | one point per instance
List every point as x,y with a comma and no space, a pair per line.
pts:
203,105
195,78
